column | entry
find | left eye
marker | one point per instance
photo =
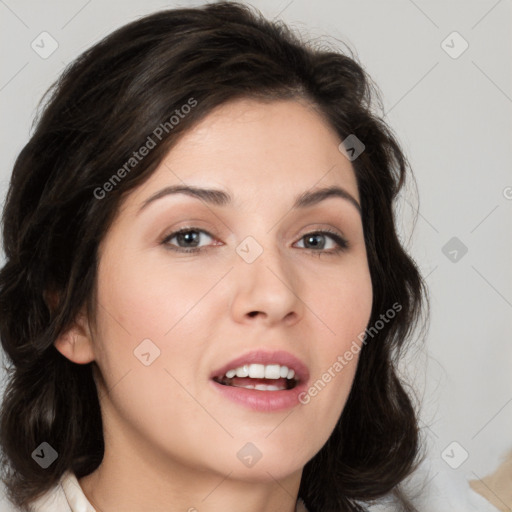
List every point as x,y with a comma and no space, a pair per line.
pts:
312,240
187,240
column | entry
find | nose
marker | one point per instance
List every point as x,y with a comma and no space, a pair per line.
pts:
266,290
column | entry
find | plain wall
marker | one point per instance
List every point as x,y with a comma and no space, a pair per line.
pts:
453,117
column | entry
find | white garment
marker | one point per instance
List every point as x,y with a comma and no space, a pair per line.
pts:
450,491
67,496
444,490
447,492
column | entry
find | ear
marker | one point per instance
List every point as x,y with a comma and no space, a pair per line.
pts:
76,342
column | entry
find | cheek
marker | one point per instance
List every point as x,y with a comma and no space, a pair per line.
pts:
159,303
147,300
344,310
344,305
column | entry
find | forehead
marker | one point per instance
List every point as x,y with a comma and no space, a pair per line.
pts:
278,148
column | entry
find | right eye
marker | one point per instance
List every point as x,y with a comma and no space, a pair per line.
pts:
189,237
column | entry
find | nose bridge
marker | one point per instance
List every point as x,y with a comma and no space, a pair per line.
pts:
264,280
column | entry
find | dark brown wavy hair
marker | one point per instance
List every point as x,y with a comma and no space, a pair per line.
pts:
103,108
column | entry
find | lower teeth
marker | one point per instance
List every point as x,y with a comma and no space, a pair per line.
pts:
261,387
289,384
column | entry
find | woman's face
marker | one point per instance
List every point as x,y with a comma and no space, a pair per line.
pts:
260,288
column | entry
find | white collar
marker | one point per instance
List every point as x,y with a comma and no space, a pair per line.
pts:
68,496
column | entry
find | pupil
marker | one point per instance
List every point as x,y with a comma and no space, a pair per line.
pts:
188,236
312,237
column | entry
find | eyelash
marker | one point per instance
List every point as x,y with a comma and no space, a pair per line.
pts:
342,243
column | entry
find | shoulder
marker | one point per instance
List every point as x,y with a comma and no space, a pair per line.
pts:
65,496
445,490
53,500
436,490
452,491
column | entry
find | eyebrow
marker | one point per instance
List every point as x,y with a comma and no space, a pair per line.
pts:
218,197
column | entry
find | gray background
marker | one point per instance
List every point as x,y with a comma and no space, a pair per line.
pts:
453,118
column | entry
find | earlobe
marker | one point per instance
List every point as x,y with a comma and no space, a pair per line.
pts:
76,342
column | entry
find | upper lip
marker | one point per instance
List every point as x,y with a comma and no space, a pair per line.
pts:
280,357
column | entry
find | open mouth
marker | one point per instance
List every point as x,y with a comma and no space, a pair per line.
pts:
260,377
262,380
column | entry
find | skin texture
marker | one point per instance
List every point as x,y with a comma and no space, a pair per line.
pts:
171,439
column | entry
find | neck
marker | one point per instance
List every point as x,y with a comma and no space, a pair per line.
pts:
112,487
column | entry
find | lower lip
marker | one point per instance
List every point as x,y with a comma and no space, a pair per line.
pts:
265,401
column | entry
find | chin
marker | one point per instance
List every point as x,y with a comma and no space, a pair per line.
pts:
264,461
267,472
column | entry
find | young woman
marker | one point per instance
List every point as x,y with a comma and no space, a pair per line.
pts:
204,297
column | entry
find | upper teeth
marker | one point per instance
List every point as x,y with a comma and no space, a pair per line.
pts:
262,371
